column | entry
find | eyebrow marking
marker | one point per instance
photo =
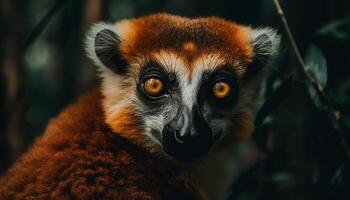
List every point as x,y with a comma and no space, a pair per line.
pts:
170,60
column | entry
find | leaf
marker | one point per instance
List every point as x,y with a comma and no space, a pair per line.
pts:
340,181
247,183
345,119
340,94
278,68
279,177
336,29
276,98
316,66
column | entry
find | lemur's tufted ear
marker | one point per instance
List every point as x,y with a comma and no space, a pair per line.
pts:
103,47
265,43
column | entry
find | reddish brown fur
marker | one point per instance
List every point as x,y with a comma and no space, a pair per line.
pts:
169,32
127,125
79,157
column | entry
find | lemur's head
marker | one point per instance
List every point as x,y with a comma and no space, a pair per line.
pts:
178,85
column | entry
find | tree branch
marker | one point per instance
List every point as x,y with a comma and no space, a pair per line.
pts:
334,114
43,22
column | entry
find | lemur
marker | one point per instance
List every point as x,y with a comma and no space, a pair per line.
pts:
176,96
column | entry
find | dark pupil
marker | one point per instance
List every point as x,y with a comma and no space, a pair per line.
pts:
154,83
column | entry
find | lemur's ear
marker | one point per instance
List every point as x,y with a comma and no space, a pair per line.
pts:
265,43
103,47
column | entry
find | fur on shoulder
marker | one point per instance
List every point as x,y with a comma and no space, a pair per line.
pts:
79,157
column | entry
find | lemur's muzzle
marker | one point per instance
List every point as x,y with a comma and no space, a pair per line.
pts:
188,136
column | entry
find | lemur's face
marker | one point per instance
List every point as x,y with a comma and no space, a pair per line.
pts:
181,85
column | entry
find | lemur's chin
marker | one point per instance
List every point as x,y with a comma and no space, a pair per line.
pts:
187,153
186,149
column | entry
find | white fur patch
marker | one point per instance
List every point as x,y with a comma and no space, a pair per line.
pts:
190,89
169,60
191,85
261,48
154,122
209,61
90,41
121,28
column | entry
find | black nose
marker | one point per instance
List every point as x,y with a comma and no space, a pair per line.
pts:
182,127
187,136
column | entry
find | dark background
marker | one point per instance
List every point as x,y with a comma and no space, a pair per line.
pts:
300,153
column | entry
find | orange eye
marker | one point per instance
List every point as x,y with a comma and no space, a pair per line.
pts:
153,86
221,90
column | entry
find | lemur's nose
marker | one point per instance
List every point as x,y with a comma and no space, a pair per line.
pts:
183,132
188,135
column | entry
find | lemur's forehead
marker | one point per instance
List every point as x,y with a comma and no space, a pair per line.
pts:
189,39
